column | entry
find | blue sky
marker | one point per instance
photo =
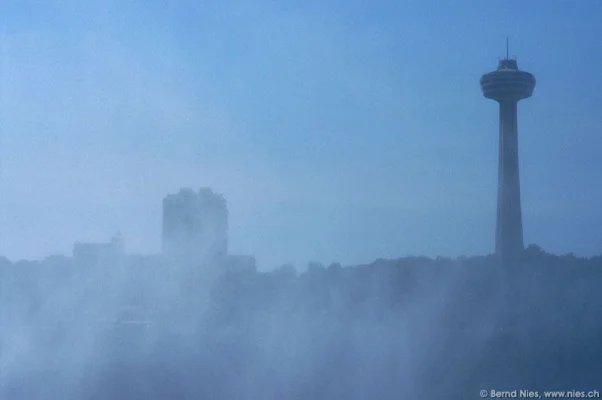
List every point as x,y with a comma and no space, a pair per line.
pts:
338,131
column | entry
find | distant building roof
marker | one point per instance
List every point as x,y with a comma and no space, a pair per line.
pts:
99,252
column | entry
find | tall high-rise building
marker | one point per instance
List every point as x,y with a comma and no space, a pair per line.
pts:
195,225
508,85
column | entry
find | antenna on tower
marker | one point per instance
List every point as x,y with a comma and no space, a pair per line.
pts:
507,56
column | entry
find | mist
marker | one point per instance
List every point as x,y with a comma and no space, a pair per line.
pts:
146,327
358,159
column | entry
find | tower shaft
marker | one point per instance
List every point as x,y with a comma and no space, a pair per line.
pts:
509,228
508,85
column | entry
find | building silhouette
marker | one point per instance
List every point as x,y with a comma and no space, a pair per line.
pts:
195,225
508,85
100,253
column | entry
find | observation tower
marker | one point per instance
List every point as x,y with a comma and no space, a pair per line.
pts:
508,85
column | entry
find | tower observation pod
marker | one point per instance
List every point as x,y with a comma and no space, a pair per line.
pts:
507,85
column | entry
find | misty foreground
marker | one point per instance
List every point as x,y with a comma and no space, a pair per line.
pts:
411,328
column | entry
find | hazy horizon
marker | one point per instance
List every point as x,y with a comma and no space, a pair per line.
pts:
340,132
